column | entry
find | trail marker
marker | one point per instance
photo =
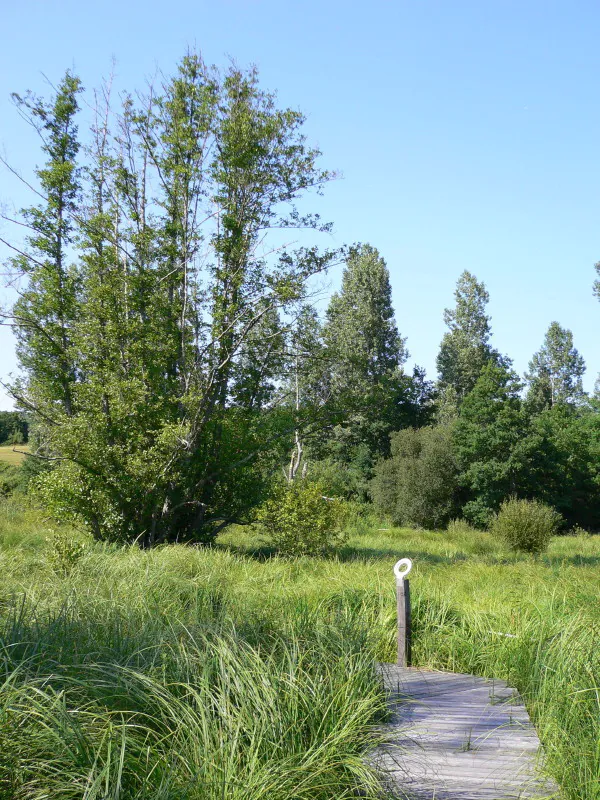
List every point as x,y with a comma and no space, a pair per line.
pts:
401,570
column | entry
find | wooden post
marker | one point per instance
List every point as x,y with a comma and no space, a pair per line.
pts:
401,570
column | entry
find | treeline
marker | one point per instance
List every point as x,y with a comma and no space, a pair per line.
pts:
428,452
175,369
14,428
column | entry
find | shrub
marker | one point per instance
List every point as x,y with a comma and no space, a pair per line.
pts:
417,486
64,552
478,513
526,525
301,521
10,479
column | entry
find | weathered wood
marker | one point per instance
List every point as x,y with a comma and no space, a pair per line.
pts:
403,605
401,570
458,737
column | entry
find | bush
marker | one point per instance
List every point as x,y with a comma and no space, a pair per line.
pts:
526,525
478,513
64,552
301,521
417,486
10,478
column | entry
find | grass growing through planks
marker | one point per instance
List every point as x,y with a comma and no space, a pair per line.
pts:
468,593
233,673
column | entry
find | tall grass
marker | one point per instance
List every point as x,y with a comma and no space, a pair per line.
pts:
234,673
159,675
546,647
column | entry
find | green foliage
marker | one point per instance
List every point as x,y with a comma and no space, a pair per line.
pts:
14,428
300,520
365,349
487,437
504,448
152,327
360,333
465,349
563,455
555,372
11,479
362,355
342,478
418,484
525,525
47,308
64,551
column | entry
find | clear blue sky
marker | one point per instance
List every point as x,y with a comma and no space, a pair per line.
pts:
467,134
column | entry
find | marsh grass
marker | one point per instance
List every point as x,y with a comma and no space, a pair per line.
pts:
232,672
166,675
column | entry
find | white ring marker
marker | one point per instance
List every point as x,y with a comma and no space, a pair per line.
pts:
402,568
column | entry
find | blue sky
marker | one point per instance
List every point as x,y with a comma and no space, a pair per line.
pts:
467,134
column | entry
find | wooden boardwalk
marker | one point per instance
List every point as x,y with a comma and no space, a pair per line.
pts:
458,737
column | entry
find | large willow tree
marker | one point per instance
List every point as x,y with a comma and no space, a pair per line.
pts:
150,281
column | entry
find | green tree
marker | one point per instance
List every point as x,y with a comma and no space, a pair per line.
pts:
365,355
418,485
465,349
46,309
14,427
361,334
161,439
556,370
563,462
487,437
260,364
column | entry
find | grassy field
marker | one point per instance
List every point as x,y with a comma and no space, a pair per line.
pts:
9,454
234,673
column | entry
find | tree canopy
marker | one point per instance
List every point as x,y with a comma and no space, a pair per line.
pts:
556,370
152,326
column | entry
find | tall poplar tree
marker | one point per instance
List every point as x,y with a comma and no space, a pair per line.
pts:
49,303
366,350
556,370
147,406
465,348
365,357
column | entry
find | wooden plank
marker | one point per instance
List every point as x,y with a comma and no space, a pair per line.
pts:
458,737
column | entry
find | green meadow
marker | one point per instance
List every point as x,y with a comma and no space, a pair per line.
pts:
231,672
13,454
